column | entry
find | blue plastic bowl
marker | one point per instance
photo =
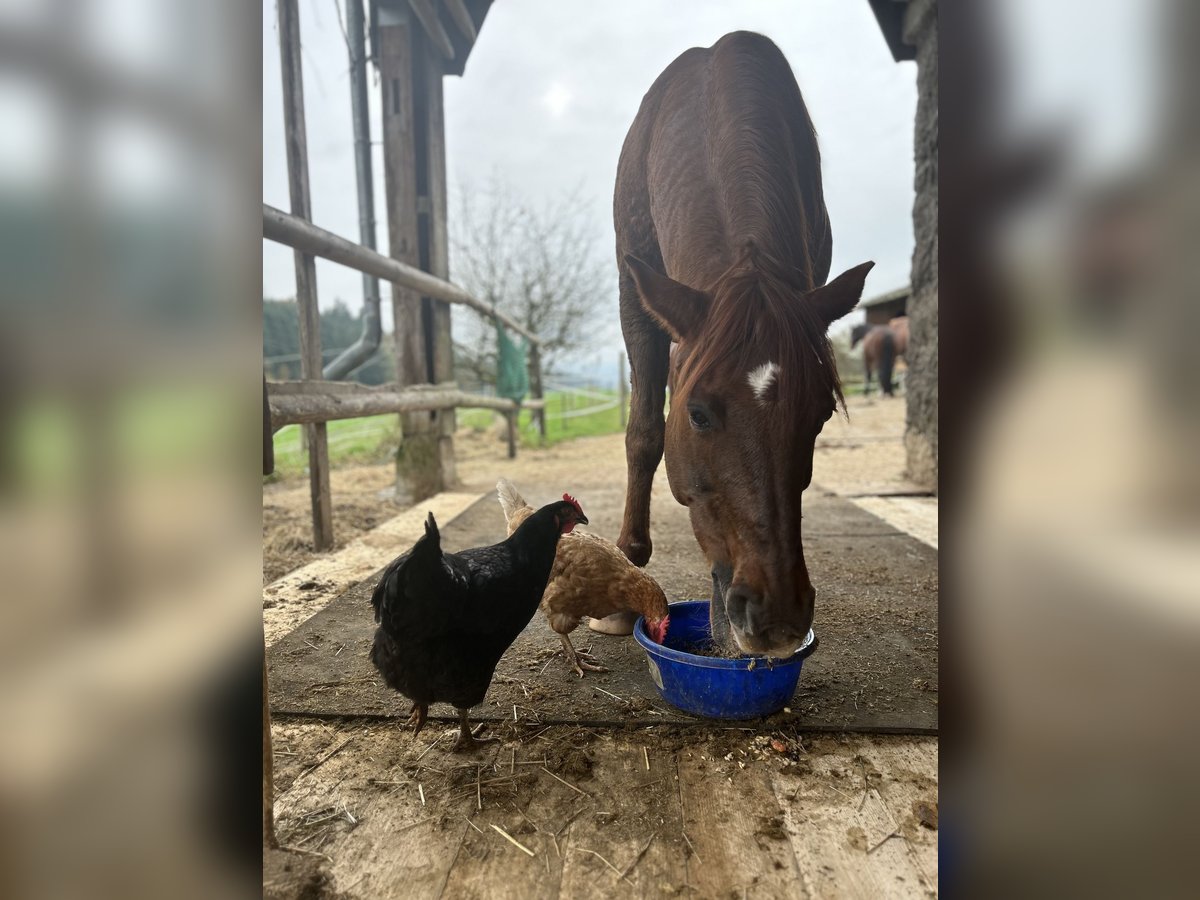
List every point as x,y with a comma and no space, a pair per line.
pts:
742,688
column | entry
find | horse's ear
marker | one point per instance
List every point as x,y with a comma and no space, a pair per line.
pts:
679,309
841,295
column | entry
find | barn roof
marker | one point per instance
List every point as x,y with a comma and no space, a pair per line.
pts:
890,16
889,297
450,26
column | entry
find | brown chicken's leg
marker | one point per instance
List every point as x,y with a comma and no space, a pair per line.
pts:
416,718
579,659
467,741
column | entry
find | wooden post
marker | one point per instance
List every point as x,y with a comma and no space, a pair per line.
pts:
306,270
268,785
438,237
535,386
418,470
512,432
268,437
622,388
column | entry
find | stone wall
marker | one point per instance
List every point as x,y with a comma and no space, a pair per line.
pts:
921,432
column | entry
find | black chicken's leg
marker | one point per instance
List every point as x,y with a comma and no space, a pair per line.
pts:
416,718
468,742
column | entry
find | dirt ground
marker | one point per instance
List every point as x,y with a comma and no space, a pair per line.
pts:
572,812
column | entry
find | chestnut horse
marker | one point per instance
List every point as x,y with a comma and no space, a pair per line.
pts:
723,245
882,346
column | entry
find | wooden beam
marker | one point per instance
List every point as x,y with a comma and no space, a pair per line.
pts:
535,388
418,465
282,228
268,774
462,18
306,270
438,253
288,408
433,27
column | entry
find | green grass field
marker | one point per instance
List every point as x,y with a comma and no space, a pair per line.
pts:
374,439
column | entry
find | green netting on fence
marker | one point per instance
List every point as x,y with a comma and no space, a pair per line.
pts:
512,374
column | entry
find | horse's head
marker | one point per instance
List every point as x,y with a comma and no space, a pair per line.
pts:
753,381
858,332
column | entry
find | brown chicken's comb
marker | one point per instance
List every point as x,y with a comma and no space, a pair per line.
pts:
573,502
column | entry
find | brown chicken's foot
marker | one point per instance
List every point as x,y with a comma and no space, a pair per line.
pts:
416,718
580,659
469,741
618,623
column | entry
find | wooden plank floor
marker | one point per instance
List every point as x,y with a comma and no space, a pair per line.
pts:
718,813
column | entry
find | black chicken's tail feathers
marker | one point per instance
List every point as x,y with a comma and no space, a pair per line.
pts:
429,545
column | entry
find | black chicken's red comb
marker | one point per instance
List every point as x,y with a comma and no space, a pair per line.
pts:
574,503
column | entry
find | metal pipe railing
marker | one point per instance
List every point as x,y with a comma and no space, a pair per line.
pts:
372,329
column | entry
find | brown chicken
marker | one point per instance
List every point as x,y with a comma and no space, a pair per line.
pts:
590,577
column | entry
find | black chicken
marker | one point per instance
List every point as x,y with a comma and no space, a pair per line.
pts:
445,619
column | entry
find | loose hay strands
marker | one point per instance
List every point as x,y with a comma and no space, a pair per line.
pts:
884,840
646,756
414,824
618,872
472,824
564,781
637,859
326,756
478,791
436,741
614,696
421,791
512,840
692,848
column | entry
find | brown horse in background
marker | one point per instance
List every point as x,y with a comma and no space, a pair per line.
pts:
882,346
723,245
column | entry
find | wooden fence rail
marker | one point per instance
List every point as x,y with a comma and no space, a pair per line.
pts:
302,402
308,238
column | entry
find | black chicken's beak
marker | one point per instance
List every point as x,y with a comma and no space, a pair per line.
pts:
582,519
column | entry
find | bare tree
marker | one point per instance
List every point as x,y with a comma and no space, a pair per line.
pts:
543,265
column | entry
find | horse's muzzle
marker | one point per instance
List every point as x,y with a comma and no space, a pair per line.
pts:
757,627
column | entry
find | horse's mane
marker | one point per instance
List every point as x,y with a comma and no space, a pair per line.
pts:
757,308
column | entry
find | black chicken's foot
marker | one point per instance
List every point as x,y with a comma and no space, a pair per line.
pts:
580,659
416,718
469,741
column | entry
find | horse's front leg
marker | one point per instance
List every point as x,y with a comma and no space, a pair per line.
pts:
648,361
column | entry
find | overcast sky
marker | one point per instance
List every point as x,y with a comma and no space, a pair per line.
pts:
551,88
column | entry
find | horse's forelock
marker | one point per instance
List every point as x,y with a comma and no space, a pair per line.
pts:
758,314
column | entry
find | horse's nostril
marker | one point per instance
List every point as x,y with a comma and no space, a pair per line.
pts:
739,602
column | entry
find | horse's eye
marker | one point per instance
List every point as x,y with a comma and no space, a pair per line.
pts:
699,419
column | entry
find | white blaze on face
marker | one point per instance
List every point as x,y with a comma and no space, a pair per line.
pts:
761,379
